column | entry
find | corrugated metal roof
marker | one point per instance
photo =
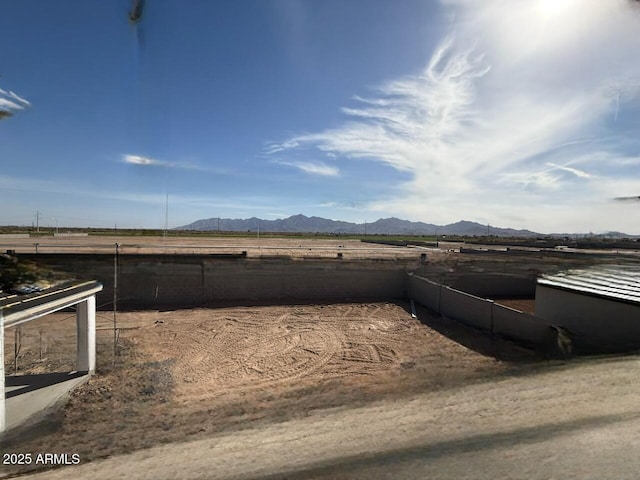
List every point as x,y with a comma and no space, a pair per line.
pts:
618,282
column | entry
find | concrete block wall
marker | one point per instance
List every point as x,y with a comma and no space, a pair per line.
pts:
478,313
152,284
296,280
173,281
469,309
426,292
520,326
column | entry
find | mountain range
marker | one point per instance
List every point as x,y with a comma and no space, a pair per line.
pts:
384,226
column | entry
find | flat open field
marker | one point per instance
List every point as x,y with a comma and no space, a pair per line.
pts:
187,374
263,246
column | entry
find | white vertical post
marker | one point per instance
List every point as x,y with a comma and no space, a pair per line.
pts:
86,325
2,403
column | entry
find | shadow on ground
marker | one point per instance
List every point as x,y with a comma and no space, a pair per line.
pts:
480,342
30,383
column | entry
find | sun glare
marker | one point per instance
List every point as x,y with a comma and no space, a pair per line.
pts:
552,8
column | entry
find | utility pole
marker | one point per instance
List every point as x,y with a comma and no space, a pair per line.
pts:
218,223
166,214
166,202
38,221
365,227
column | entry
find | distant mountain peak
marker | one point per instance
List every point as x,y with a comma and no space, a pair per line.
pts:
300,223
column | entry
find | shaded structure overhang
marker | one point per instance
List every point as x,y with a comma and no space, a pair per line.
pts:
17,309
619,283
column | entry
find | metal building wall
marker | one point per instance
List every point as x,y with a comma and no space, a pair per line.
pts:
596,324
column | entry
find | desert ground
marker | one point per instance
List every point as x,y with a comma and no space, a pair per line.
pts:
189,374
320,390
333,391
579,420
264,245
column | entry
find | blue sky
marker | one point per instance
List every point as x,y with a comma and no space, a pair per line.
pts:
521,114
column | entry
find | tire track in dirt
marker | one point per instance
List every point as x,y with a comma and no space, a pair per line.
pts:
250,348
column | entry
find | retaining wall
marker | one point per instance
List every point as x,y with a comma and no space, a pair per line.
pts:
520,326
426,292
472,310
479,313
172,281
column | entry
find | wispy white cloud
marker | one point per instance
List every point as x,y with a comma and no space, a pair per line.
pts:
540,180
153,162
21,100
140,160
10,102
9,105
273,147
575,171
312,168
520,96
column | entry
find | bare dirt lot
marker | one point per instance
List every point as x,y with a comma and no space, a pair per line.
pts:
187,374
265,245
562,420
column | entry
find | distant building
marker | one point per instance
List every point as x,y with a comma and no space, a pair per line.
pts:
599,306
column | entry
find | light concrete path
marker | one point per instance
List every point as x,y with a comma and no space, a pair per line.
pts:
576,421
30,395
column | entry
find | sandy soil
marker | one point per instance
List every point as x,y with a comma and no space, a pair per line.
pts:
255,247
189,374
573,420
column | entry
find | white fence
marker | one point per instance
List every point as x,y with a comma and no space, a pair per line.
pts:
478,312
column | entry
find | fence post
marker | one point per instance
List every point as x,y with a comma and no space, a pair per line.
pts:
491,317
2,401
115,303
203,282
491,333
17,346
